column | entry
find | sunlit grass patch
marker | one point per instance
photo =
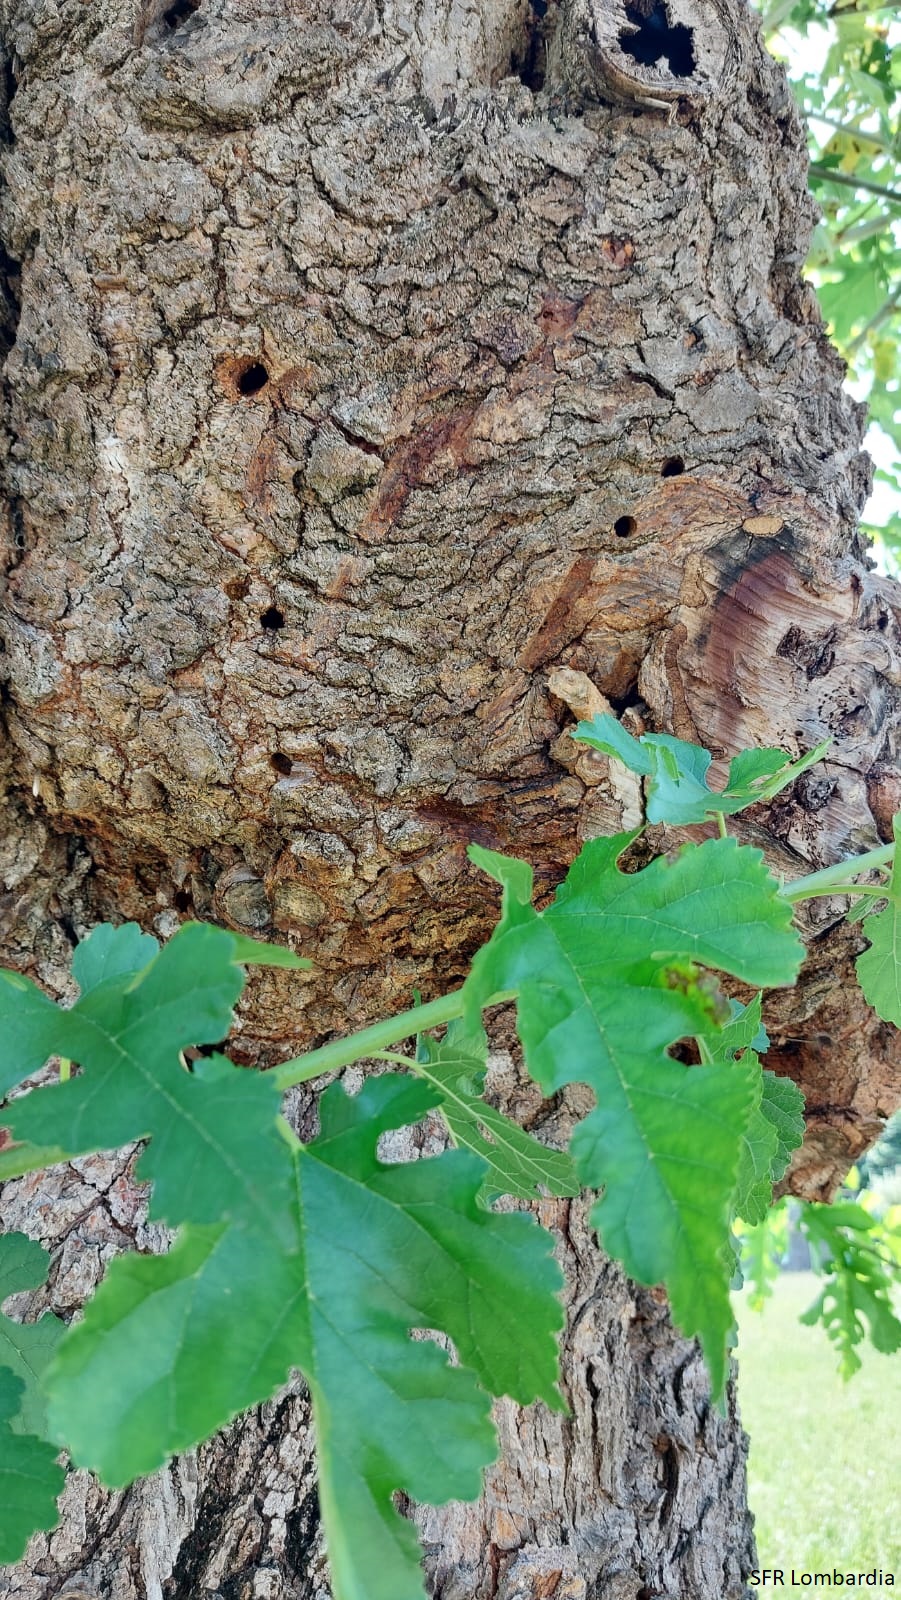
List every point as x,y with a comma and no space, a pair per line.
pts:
825,1463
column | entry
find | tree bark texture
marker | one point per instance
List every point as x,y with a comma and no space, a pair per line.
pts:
387,380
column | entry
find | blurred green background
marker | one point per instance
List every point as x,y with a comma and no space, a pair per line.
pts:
844,62
825,1463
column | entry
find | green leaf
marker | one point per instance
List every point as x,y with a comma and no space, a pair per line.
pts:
26,1348
754,1184
257,953
515,876
776,1124
23,1264
110,952
215,1150
30,1479
879,968
775,1129
29,1027
742,1031
517,1163
607,979
607,734
782,1103
862,1278
678,791
17,1159
171,1347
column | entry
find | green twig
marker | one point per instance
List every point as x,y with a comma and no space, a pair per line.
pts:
375,1041
877,893
370,1041
836,878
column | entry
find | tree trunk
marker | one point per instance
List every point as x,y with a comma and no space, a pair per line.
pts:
370,364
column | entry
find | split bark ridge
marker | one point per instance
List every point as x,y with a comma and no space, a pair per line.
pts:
367,365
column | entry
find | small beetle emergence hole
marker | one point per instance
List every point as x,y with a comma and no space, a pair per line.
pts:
654,37
272,618
179,12
624,527
254,378
182,900
242,377
281,763
672,467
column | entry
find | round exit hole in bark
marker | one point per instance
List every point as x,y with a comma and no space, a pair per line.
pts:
272,619
242,377
281,763
624,527
672,467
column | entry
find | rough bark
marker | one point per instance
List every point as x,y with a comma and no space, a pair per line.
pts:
368,365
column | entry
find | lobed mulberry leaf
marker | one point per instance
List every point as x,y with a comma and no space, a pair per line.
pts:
862,1277
110,952
606,980
776,1123
171,1347
215,1150
30,1479
678,790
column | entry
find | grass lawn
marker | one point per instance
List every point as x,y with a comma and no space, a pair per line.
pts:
825,1467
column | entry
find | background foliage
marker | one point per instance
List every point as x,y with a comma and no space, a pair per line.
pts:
845,66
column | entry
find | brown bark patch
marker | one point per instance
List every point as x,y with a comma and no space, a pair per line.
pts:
561,623
436,449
